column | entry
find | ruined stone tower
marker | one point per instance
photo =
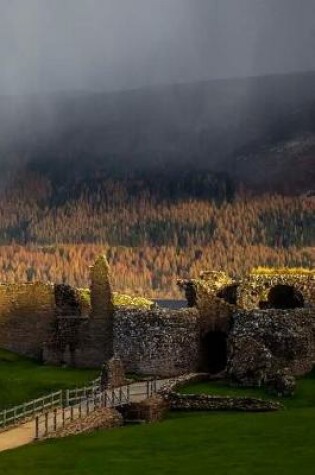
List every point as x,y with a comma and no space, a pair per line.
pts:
102,314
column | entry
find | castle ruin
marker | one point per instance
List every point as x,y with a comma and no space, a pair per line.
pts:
248,328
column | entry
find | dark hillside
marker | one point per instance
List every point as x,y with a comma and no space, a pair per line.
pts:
207,125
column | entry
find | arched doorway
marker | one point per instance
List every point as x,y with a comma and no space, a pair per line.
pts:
285,297
214,352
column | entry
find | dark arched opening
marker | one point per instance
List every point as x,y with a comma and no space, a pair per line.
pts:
285,297
229,294
214,352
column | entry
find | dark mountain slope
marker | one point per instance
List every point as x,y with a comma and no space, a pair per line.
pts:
241,127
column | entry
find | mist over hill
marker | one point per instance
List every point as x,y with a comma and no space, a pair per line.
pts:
257,131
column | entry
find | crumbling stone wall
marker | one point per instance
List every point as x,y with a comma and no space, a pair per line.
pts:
157,342
250,292
113,373
263,342
104,418
98,345
78,340
51,322
206,402
253,290
206,295
153,409
27,313
67,301
68,336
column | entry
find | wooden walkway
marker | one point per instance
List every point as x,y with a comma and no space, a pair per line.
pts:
21,435
26,432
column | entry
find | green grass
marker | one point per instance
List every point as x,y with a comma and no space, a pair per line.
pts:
22,379
303,397
278,443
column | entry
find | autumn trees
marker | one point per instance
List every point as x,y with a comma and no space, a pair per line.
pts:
153,234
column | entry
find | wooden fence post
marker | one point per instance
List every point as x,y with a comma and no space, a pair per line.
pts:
67,397
99,398
37,428
46,423
120,395
102,398
55,420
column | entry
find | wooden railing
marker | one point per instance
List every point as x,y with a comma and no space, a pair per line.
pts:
74,396
27,410
50,423
55,410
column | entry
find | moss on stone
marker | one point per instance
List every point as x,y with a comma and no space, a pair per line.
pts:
282,271
120,300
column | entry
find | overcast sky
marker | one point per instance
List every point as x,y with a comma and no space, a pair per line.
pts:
53,45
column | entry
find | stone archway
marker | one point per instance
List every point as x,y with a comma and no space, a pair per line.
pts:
213,352
285,297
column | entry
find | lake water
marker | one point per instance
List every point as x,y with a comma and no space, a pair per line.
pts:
171,304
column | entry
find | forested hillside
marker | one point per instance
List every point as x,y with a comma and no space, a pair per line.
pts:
168,180
154,229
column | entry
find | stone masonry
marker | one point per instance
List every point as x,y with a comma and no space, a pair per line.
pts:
260,329
263,342
157,342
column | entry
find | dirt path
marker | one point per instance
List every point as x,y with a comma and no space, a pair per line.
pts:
22,435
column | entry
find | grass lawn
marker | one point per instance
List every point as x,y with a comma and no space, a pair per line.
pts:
304,395
191,443
22,379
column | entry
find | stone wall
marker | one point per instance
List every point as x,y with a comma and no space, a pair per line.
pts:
27,314
153,409
205,402
99,342
262,342
113,374
157,342
253,290
205,294
84,341
104,418
66,340
250,292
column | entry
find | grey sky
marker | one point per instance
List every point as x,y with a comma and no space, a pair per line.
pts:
117,44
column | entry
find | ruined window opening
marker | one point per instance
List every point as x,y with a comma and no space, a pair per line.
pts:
191,296
285,297
66,300
214,352
229,294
